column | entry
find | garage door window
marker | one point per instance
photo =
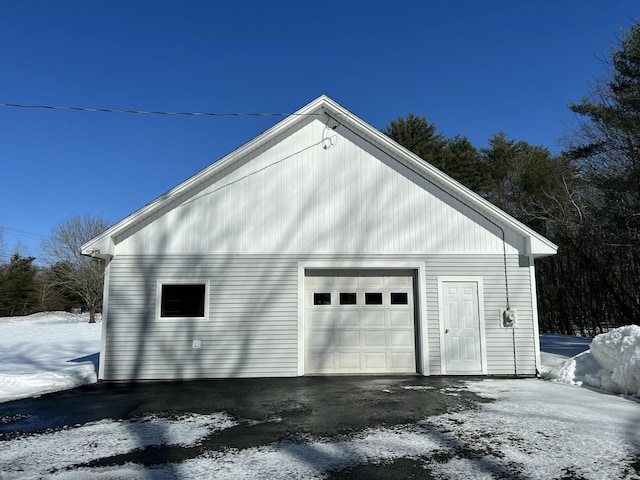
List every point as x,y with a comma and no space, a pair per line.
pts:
373,298
348,298
399,298
322,299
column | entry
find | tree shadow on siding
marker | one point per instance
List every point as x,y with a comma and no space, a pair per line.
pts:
153,340
366,233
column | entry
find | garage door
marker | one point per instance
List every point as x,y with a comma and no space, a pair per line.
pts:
359,323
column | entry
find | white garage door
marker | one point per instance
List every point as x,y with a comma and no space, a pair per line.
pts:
362,323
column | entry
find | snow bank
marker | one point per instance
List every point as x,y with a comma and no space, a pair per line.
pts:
618,355
47,352
612,363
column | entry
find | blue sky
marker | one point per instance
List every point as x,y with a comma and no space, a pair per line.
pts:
471,67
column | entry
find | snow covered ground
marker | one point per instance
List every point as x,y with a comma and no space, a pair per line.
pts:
47,352
531,429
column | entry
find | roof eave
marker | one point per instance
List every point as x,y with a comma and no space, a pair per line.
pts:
99,247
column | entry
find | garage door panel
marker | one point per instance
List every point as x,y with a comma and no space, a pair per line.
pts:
349,361
371,281
401,339
375,361
320,319
348,335
401,361
321,362
320,281
348,318
373,318
400,318
345,281
399,281
347,338
375,338
319,339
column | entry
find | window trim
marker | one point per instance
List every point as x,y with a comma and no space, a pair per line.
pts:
181,281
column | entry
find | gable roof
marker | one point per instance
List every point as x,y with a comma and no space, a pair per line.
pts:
103,245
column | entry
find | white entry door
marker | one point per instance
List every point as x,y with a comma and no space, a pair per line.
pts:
359,323
462,327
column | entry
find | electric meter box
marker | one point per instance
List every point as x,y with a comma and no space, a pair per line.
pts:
509,317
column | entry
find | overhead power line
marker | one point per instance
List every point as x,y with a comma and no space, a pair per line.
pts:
24,233
150,112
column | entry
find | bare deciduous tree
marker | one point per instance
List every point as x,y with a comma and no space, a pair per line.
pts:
73,271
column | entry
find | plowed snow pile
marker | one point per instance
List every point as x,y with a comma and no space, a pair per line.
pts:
612,363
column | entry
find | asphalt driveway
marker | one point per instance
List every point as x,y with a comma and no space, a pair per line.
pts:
326,407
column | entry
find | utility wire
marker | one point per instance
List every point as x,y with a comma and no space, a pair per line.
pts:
149,112
24,233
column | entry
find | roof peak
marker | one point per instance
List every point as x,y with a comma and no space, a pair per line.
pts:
104,246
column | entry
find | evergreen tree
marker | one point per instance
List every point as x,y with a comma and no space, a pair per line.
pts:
528,182
462,161
606,144
18,290
419,136
456,157
606,147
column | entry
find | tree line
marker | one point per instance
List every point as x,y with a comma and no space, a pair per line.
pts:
69,279
585,199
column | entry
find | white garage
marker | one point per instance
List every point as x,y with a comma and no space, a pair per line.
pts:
359,322
319,247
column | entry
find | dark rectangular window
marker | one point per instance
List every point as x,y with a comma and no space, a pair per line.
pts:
373,298
348,299
399,298
322,299
184,300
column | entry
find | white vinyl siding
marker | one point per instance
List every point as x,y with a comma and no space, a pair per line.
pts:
250,331
499,340
252,328
292,195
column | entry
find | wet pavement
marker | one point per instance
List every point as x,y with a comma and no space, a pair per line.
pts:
319,407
